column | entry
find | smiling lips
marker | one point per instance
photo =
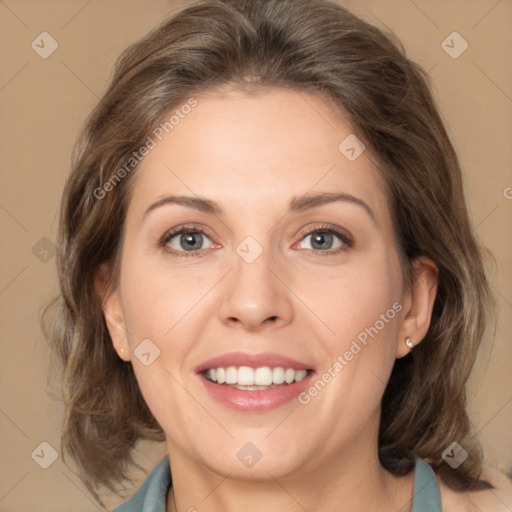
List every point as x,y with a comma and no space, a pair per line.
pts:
249,382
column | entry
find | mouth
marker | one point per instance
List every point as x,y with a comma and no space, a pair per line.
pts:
254,382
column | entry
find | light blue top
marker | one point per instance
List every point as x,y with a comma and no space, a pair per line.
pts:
152,495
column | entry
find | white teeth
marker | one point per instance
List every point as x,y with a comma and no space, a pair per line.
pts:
301,374
263,376
250,388
278,375
231,375
247,378
289,375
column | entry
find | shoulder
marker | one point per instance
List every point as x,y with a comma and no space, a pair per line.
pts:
498,499
151,496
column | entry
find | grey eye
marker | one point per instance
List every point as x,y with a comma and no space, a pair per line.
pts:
322,240
187,241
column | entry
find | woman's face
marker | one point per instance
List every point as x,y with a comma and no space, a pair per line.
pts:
288,266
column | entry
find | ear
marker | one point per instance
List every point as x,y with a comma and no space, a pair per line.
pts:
112,311
418,303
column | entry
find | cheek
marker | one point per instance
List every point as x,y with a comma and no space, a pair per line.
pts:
358,304
160,307
362,311
156,303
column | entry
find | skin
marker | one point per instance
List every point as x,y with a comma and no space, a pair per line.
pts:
252,154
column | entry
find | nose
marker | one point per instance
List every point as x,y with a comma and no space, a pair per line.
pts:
256,296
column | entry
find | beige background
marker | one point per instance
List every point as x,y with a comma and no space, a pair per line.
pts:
43,103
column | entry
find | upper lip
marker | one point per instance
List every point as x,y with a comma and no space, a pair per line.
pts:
252,361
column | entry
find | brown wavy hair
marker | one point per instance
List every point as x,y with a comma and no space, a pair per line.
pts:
314,46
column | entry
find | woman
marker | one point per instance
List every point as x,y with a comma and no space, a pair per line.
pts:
266,261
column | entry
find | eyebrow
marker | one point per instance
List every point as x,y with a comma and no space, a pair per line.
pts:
305,202
297,204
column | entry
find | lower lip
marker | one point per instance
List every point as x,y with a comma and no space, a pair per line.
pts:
257,400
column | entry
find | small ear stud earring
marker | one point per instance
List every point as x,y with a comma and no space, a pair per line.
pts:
408,342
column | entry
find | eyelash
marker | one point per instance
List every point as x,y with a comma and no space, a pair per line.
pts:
347,242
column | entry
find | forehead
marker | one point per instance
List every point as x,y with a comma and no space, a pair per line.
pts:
245,150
